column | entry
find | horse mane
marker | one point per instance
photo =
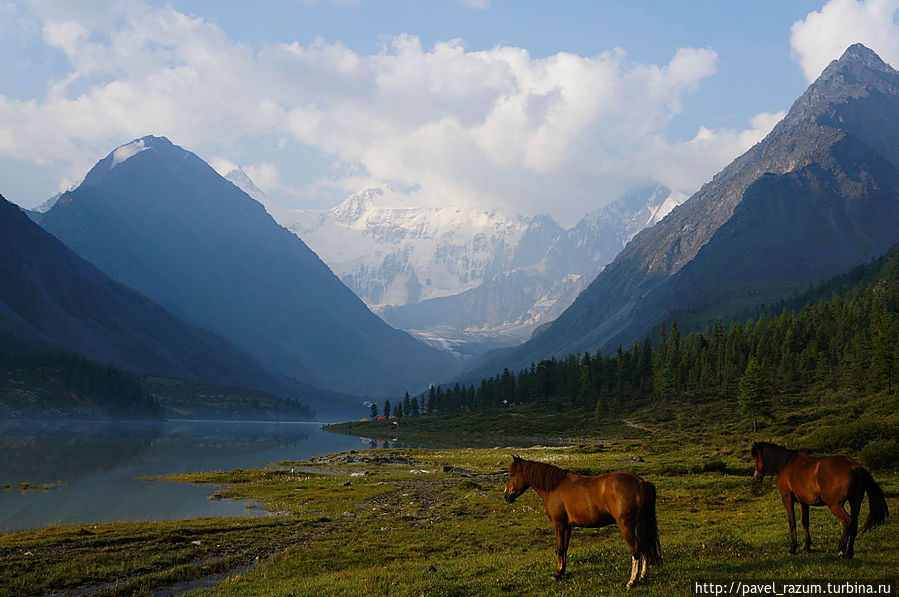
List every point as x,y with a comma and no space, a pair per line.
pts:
773,456
541,475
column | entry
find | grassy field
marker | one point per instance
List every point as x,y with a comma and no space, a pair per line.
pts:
433,522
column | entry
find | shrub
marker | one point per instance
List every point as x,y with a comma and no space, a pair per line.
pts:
881,454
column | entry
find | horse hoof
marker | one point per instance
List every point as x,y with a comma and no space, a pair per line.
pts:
841,554
629,585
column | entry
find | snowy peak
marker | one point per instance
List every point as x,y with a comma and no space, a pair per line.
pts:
457,269
393,254
353,208
239,178
125,152
658,210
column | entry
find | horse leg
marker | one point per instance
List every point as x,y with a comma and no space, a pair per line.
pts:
791,517
855,506
808,537
627,531
563,536
840,513
643,572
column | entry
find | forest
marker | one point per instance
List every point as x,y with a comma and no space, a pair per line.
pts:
57,383
847,343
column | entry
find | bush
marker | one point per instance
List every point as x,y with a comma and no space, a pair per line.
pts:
881,454
852,436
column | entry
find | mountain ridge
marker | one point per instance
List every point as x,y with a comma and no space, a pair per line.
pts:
159,219
842,116
458,273
54,300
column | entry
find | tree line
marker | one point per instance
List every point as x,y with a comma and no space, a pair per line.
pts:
65,382
849,343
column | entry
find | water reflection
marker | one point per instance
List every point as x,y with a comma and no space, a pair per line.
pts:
87,472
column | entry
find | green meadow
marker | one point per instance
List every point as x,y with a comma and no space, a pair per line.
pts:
433,521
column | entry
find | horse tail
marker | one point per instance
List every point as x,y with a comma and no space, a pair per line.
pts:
877,503
647,530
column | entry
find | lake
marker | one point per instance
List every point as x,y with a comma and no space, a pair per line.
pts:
87,472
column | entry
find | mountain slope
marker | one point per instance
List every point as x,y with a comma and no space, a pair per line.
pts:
816,196
538,288
51,298
161,220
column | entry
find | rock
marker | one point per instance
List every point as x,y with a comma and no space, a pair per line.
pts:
459,471
632,459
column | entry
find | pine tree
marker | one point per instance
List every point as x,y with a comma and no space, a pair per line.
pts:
885,347
754,400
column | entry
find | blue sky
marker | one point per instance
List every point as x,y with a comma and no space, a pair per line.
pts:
519,106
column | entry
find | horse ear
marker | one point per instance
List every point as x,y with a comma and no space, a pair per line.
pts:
515,458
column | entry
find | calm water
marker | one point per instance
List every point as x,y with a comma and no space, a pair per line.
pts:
87,472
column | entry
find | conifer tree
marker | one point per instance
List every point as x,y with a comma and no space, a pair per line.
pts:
754,400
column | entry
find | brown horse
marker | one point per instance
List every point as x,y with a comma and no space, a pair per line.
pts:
821,481
573,500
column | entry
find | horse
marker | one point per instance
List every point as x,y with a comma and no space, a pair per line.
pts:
821,481
573,500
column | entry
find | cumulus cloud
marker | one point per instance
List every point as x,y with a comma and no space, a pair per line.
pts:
495,128
683,166
823,35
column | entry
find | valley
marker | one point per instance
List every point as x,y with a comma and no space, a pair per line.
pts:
297,354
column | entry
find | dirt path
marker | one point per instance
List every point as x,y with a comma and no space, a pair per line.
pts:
636,425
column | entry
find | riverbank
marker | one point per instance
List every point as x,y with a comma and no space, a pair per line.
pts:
411,522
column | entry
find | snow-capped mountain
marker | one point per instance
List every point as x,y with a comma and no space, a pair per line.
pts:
158,219
397,256
451,274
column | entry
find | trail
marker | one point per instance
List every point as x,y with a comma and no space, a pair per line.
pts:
637,425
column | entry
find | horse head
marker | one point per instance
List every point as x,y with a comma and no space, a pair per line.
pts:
763,454
517,483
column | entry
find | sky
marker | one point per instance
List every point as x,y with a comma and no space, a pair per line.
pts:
518,106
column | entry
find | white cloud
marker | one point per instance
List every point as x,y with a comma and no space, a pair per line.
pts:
684,167
497,128
265,176
823,36
222,165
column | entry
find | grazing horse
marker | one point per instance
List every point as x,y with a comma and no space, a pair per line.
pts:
821,481
573,500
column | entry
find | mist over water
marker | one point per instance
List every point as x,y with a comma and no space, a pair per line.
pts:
87,472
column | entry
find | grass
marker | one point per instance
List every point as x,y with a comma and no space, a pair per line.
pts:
410,522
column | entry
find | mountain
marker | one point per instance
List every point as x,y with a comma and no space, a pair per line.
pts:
160,220
52,300
48,204
817,196
456,276
239,178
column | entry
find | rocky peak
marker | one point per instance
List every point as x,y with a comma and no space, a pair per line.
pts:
856,74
